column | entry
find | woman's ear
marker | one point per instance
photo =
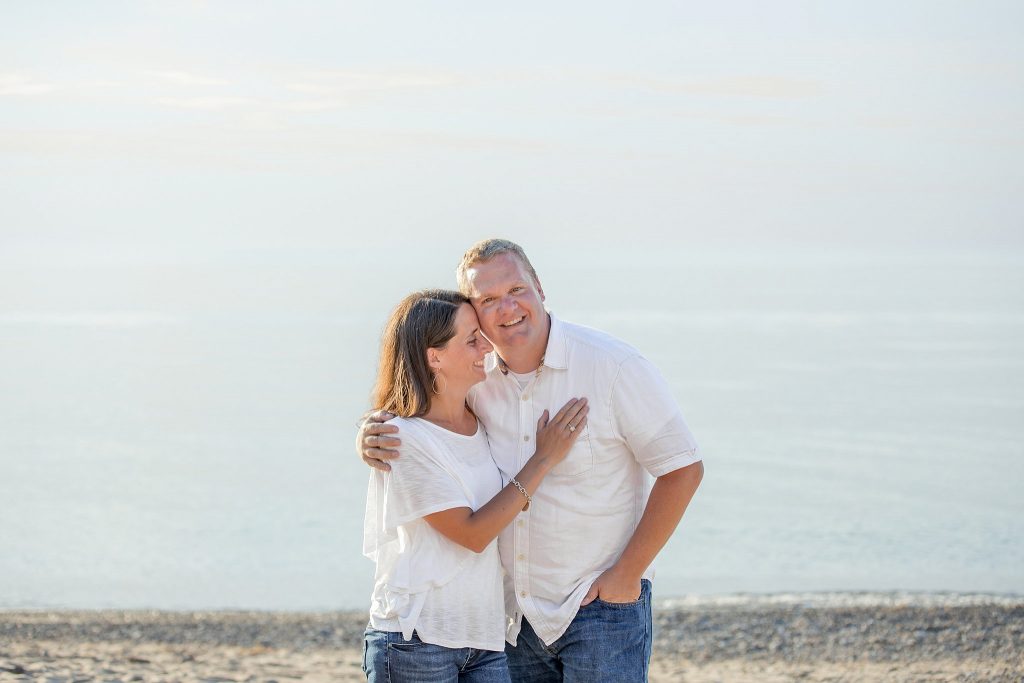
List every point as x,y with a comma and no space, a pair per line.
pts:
433,358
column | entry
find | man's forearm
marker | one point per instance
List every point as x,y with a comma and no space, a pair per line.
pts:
669,498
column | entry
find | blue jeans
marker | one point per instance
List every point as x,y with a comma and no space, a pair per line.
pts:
606,643
388,658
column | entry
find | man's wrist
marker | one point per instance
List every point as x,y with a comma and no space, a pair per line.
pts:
621,571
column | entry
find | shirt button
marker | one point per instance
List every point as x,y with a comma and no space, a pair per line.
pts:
526,397
526,438
522,593
519,522
521,557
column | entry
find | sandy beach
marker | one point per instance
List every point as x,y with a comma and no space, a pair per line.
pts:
740,640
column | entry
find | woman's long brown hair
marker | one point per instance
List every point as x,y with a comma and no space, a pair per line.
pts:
423,320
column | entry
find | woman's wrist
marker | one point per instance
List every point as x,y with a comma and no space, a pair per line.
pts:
542,460
523,491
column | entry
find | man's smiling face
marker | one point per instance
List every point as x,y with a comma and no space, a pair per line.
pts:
509,303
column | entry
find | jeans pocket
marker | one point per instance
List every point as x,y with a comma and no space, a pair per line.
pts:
405,645
621,605
414,660
645,590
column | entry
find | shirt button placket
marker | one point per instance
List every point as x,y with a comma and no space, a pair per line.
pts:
525,426
522,524
522,552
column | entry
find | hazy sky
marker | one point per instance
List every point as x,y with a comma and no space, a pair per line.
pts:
181,129
203,204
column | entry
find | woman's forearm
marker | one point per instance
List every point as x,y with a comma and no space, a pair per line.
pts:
476,530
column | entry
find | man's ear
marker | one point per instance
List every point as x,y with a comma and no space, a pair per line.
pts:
540,289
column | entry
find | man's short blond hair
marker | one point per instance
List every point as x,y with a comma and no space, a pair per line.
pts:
485,251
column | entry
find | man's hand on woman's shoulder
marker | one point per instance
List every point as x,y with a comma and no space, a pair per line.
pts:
372,442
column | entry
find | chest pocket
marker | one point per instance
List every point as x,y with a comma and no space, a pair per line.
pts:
580,458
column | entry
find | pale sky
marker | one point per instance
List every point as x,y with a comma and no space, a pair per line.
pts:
138,129
207,210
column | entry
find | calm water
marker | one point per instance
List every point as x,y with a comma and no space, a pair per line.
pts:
181,436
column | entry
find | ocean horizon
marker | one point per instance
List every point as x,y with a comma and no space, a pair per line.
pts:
181,435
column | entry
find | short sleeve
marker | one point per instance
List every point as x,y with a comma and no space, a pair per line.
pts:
649,419
418,485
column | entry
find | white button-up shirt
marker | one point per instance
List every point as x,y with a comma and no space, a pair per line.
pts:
586,509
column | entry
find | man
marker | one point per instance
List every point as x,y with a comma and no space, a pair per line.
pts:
578,560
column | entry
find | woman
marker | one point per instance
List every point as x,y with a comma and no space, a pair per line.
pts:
437,612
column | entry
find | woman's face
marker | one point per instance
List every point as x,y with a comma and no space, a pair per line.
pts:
461,361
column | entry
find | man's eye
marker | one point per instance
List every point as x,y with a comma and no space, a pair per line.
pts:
487,300
472,342
516,290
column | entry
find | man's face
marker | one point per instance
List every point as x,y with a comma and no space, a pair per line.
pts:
509,303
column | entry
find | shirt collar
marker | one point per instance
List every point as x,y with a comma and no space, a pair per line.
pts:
556,355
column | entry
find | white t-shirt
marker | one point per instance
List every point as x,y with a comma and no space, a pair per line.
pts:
586,509
449,594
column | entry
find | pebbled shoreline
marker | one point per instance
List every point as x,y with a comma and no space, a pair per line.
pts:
733,640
